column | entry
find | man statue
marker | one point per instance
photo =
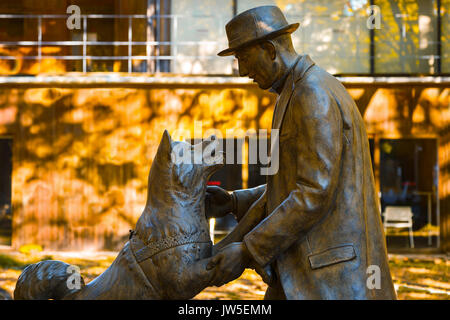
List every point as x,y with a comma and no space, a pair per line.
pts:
318,232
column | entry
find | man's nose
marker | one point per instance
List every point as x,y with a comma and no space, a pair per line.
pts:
242,69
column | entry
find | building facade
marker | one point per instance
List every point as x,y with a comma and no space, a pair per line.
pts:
88,87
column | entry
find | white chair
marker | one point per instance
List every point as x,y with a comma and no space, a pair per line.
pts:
399,217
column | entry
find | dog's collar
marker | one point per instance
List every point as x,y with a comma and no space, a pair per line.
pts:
143,252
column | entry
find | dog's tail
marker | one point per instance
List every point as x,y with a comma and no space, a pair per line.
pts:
47,280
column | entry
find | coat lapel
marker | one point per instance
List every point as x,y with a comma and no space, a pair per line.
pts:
282,101
302,65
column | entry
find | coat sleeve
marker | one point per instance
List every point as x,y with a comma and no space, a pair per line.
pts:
318,147
254,215
244,198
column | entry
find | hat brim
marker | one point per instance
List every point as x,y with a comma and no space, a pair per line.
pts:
288,29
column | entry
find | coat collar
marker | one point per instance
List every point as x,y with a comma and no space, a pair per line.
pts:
277,87
302,65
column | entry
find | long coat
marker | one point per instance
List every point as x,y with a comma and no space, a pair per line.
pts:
319,223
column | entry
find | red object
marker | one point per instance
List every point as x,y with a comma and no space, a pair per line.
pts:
214,183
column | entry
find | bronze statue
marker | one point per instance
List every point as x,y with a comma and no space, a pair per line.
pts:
314,230
167,253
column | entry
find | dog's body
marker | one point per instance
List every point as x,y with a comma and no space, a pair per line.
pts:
167,253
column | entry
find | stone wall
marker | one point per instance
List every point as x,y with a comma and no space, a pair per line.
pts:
81,156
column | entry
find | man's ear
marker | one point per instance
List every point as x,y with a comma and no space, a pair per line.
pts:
270,47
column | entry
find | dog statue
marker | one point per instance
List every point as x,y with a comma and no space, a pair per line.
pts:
168,251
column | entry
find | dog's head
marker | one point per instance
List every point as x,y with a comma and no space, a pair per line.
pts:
183,167
177,188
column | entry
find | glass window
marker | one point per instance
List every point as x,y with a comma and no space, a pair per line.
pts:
407,39
445,36
408,183
5,191
332,32
198,34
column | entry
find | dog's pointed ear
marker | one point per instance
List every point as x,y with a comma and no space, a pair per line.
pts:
165,146
166,142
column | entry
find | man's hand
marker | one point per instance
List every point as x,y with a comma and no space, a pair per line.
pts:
229,263
218,202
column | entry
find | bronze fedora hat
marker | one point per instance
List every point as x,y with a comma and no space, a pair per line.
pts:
255,25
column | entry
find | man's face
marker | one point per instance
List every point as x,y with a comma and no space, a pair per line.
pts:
256,63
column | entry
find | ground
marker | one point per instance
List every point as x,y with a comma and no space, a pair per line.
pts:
415,276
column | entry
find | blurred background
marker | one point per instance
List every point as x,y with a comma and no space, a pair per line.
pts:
82,110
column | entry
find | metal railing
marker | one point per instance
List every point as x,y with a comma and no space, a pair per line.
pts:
155,60
39,43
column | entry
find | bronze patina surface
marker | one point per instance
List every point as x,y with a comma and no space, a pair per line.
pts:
167,253
314,231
